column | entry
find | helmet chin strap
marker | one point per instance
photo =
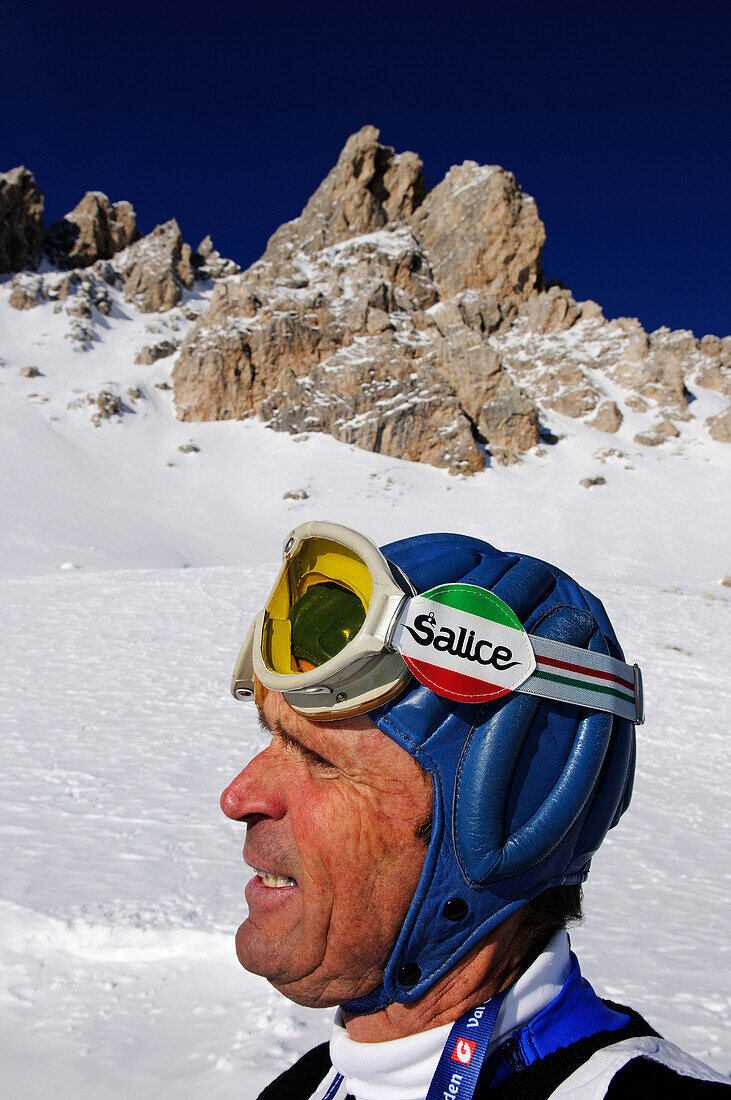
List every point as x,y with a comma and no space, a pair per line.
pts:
369,1002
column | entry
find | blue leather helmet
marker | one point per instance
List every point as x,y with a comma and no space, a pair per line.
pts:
524,789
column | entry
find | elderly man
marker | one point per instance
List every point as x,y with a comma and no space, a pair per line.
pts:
452,735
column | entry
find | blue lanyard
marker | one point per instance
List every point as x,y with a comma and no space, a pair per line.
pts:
464,1052
461,1060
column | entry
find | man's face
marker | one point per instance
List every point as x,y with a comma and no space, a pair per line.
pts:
333,810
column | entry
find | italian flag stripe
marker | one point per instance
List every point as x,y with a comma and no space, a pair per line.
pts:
587,686
464,689
583,671
465,644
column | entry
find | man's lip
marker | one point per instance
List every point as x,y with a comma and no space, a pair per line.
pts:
257,866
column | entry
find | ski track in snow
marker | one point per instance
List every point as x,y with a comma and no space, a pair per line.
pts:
123,883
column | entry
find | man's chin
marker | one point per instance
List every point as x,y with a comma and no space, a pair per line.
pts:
252,955
258,955
264,955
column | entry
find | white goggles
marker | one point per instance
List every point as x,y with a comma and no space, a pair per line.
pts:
343,630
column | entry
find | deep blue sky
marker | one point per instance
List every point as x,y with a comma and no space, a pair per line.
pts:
614,116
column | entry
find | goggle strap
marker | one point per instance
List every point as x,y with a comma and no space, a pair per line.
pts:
570,674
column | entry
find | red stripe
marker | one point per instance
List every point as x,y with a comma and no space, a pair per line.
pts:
454,685
585,671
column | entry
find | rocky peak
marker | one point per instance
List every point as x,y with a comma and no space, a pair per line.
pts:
103,238
22,229
481,232
94,230
93,248
421,326
369,187
210,264
416,324
156,269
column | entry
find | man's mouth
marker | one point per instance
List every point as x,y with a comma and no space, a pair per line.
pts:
276,882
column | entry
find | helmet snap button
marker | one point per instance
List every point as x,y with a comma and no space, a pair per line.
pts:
409,974
455,909
340,697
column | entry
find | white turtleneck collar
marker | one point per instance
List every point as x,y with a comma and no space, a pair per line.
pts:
403,1068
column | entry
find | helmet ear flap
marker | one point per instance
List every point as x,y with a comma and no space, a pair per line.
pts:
554,791
484,788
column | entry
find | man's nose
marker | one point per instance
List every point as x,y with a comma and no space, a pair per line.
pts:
254,793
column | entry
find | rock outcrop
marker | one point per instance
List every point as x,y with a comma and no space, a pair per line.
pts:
208,263
369,187
420,325
481,232
412,323
156,269
22,229
96,247
348,324
94,230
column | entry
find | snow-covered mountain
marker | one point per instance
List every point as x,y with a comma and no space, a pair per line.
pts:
134,549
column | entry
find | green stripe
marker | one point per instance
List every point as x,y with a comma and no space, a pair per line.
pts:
473,600
582,684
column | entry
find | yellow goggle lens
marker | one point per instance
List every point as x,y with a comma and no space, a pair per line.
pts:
317,605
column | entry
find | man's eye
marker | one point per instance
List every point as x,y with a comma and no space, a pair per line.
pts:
317,760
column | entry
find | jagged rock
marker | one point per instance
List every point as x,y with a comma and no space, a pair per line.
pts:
29,372
241,350
589,482
719,427
94,230
555,310
26,291
21,221
189,448
150,353
500,412
368,187
380,408
208,263
607,417
727,580
652,365
714,372
295,494
156,269
341,340
480,230
421,325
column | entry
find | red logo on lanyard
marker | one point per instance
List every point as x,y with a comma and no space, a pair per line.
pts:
463,1051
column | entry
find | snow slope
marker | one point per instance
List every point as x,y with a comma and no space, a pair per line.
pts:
129,571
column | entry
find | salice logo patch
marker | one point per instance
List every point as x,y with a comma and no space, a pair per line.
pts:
464,643
463,1051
